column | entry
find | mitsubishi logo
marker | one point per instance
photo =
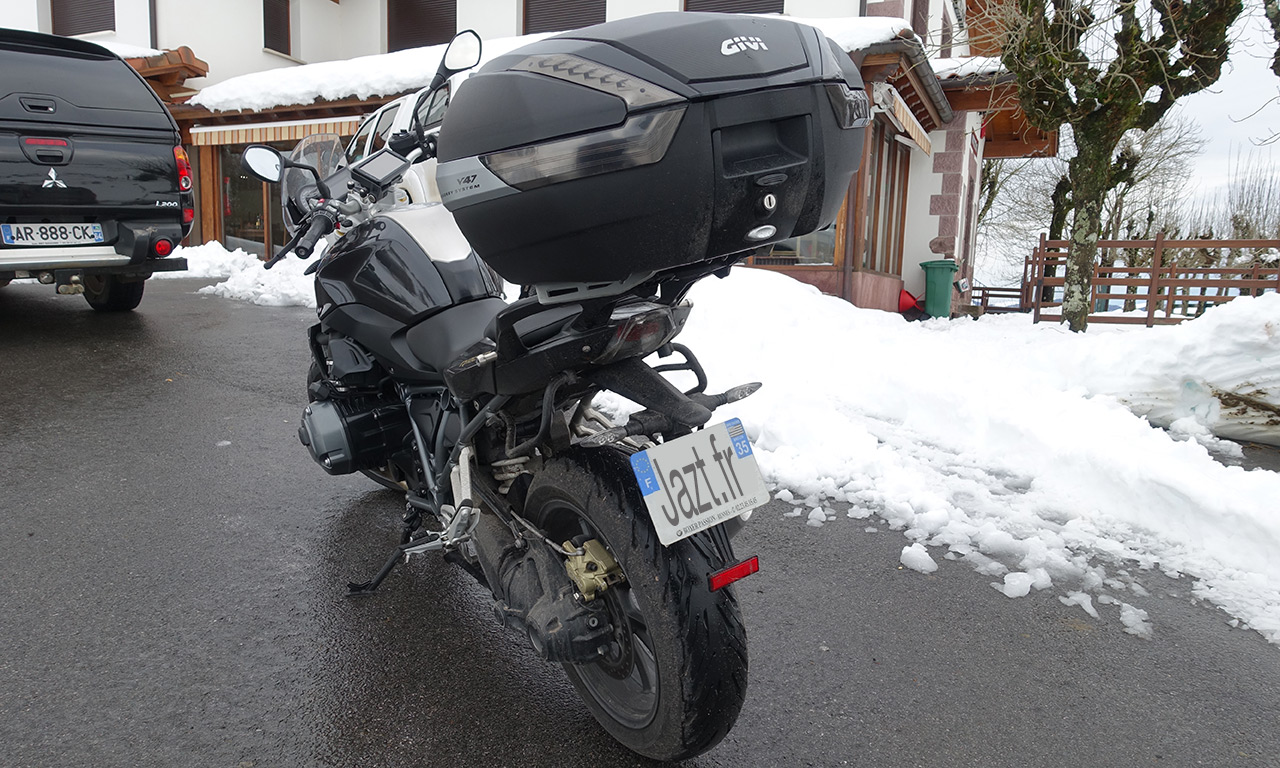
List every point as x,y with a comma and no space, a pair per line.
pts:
53,181
738,44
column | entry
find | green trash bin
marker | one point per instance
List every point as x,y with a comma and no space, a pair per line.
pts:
937,286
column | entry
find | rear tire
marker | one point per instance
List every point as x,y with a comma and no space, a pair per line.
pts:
677,677
111,293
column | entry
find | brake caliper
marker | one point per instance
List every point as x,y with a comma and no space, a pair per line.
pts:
594,570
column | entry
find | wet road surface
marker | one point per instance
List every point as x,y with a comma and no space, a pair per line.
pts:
171,594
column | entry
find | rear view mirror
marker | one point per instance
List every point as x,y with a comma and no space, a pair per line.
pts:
264,162
463,51
462,54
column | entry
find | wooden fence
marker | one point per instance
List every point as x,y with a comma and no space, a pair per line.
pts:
1179,280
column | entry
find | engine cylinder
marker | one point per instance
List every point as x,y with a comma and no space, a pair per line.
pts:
343,439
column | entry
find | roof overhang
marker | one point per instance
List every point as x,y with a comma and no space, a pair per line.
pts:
1007,131
264,133
190,116
901,63
168,71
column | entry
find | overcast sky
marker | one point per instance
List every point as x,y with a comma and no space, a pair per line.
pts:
1226,112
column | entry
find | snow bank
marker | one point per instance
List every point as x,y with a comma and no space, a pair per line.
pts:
1019,450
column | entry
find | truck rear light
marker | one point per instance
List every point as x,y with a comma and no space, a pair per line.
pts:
184,169
36,142
726,576
162,247
188,215
641,140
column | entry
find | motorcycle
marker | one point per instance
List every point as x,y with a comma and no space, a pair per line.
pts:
607,545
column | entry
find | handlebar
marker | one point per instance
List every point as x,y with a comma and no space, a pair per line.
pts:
323,221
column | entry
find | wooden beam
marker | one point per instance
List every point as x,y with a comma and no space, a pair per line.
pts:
934,117
1037,146
983,98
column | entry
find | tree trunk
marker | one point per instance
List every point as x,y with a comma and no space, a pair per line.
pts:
1061,202
1089,171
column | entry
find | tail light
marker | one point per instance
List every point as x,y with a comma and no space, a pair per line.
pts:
184,169
641,140
162,247
641,329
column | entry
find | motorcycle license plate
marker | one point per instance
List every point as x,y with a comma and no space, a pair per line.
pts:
50,234
699,480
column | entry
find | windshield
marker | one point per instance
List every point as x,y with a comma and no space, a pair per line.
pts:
322,151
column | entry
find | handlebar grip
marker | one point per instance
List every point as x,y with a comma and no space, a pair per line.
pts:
322,223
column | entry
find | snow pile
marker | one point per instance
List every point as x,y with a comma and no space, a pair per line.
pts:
1004,445
283,285
212,260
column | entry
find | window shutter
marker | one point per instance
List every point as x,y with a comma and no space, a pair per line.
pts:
920,18
734,6
77,17
559,15
415,23
275,25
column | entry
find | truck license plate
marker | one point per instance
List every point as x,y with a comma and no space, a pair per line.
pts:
51,234
699,480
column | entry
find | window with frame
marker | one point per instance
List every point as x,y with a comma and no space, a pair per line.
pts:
559,15
432,112
79,17
886,210
275,26
356,149
734,6
415,23
383,130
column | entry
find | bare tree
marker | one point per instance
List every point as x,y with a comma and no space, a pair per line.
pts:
1106,67
1023,197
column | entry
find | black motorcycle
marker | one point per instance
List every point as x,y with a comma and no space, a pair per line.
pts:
607,184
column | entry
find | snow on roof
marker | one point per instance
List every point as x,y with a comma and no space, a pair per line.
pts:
857,33
966,66
126,51
390,73
378,75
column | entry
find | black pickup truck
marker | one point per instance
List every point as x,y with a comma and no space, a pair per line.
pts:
95,187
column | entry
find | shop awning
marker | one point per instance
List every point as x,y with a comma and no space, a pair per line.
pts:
262,133
888,99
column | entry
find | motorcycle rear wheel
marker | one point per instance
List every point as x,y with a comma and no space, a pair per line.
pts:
675,680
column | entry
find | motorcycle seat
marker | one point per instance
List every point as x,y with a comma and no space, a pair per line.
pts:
539,326
443,337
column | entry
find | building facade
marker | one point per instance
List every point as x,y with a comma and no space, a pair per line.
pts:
914,199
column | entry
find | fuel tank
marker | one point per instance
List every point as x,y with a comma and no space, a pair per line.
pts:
408,287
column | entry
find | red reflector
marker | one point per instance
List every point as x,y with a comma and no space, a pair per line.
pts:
723,578
163,247
45,142
188,215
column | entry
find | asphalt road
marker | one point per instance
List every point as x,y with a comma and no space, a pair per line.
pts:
171,594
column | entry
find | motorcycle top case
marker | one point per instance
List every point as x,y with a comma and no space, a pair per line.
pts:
624,149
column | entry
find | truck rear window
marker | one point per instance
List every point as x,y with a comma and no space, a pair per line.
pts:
83,80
